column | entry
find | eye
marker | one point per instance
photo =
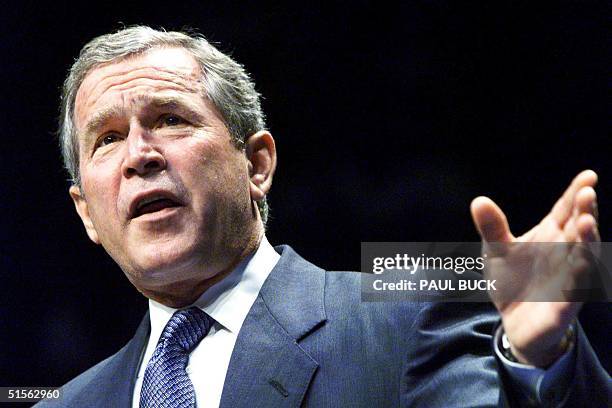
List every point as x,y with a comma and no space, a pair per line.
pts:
172,120
107,139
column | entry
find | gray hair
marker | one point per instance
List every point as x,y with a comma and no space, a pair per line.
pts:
226,84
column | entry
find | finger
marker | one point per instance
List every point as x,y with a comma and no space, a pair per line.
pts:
587,228
564,206
490,220
589,233
578,262
586,201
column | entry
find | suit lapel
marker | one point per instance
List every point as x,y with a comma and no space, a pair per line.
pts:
268,367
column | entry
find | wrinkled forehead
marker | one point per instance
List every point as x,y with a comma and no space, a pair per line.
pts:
160,68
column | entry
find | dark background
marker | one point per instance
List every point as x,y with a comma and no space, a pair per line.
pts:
389,119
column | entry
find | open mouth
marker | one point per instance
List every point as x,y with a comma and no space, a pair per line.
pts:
153,204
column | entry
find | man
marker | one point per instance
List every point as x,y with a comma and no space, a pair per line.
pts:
166,145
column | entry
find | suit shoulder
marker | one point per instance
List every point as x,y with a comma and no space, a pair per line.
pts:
343,297
74,388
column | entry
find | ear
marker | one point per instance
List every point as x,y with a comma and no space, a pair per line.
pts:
83,210
261,154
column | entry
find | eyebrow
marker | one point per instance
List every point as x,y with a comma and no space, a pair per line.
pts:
175,104
101,118
159,102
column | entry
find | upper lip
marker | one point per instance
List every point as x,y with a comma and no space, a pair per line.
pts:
150,196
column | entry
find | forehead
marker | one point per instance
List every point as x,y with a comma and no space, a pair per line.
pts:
159,70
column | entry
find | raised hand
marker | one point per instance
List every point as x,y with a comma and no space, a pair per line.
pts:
536,329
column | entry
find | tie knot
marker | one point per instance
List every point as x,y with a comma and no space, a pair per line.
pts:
186,328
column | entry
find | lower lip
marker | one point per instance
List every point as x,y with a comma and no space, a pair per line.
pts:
158,215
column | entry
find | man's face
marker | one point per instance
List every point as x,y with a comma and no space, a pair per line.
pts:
164,190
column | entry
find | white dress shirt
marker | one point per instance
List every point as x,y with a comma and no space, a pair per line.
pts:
228,302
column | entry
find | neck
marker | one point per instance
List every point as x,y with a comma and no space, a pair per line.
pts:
184,293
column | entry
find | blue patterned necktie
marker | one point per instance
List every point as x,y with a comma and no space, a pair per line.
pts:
166,383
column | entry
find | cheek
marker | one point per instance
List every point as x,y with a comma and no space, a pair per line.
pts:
211,161
102,202
105,218
218,181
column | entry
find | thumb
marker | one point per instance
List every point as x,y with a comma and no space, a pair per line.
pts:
490,221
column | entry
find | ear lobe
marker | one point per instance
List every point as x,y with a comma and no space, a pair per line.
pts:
83,210
261,154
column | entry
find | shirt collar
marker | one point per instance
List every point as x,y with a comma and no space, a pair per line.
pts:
228,302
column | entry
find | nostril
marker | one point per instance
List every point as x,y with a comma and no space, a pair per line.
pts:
142,165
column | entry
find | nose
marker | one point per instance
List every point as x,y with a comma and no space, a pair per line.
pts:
143,157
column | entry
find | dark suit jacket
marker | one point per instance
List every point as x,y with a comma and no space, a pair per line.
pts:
310,340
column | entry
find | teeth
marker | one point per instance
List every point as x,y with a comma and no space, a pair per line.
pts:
146,201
